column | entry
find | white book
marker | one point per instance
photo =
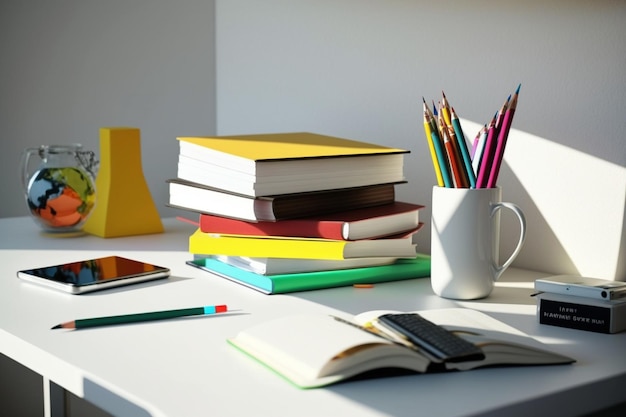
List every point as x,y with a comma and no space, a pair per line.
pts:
276,266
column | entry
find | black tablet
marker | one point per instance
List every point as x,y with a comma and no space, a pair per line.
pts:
94,274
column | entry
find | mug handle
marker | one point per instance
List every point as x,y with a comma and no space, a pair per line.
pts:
498,270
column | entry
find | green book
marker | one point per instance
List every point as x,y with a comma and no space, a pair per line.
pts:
402,269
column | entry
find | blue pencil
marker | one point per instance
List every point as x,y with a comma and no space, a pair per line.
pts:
467,161
441,158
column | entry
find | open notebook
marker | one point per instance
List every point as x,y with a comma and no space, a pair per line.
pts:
317,350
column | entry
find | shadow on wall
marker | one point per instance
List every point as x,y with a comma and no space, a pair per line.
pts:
567,233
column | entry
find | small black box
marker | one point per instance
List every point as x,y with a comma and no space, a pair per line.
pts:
581,313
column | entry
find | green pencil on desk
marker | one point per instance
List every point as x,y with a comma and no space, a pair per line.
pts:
141,317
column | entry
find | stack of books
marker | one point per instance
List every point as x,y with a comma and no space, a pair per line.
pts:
297,211
582,303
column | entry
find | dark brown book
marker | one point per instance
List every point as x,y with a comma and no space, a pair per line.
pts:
203,199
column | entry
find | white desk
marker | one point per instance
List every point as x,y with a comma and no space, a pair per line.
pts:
184,367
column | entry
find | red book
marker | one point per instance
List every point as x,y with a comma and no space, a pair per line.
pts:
365,223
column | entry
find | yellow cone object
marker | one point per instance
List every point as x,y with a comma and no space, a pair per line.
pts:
124,205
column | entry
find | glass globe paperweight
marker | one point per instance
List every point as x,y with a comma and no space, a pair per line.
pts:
60,192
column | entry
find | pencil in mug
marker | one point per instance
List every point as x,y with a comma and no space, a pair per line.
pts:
478,149
475,144
431,145
456,149
440,162
443,160
439,146
445,109
503,135
452,158
467,160
487,160
487,157
458,139
455,133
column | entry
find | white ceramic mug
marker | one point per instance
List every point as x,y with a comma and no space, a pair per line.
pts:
465,241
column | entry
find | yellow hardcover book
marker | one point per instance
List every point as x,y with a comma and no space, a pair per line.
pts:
276,146
285,163
303,248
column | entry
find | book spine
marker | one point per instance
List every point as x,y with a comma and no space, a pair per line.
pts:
286,283
575,316
289,228
265,247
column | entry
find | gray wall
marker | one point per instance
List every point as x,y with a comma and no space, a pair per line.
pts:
70,67
359,69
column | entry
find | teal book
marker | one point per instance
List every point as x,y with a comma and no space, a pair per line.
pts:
402,269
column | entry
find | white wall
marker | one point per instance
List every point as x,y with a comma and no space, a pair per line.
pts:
353,68
70,67
359,68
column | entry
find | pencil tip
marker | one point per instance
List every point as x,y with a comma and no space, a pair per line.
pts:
518,87
58,326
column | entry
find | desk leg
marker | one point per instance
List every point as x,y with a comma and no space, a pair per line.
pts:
53,399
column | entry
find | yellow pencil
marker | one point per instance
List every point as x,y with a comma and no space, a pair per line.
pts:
445,110
431,145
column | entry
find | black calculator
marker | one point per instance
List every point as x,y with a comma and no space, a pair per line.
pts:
432,338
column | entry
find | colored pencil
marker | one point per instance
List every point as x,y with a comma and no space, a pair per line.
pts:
436,115
454,154
458,141
487,159
445,107
480,147
433,120
502,112
452,159
141,317
503,135
431,146
460,137
443,160
475,144
464,181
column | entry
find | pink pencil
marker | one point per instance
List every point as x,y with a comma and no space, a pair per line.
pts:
478,152
475,144
487,159
502,138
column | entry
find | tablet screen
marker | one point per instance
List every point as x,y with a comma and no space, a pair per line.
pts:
94,270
